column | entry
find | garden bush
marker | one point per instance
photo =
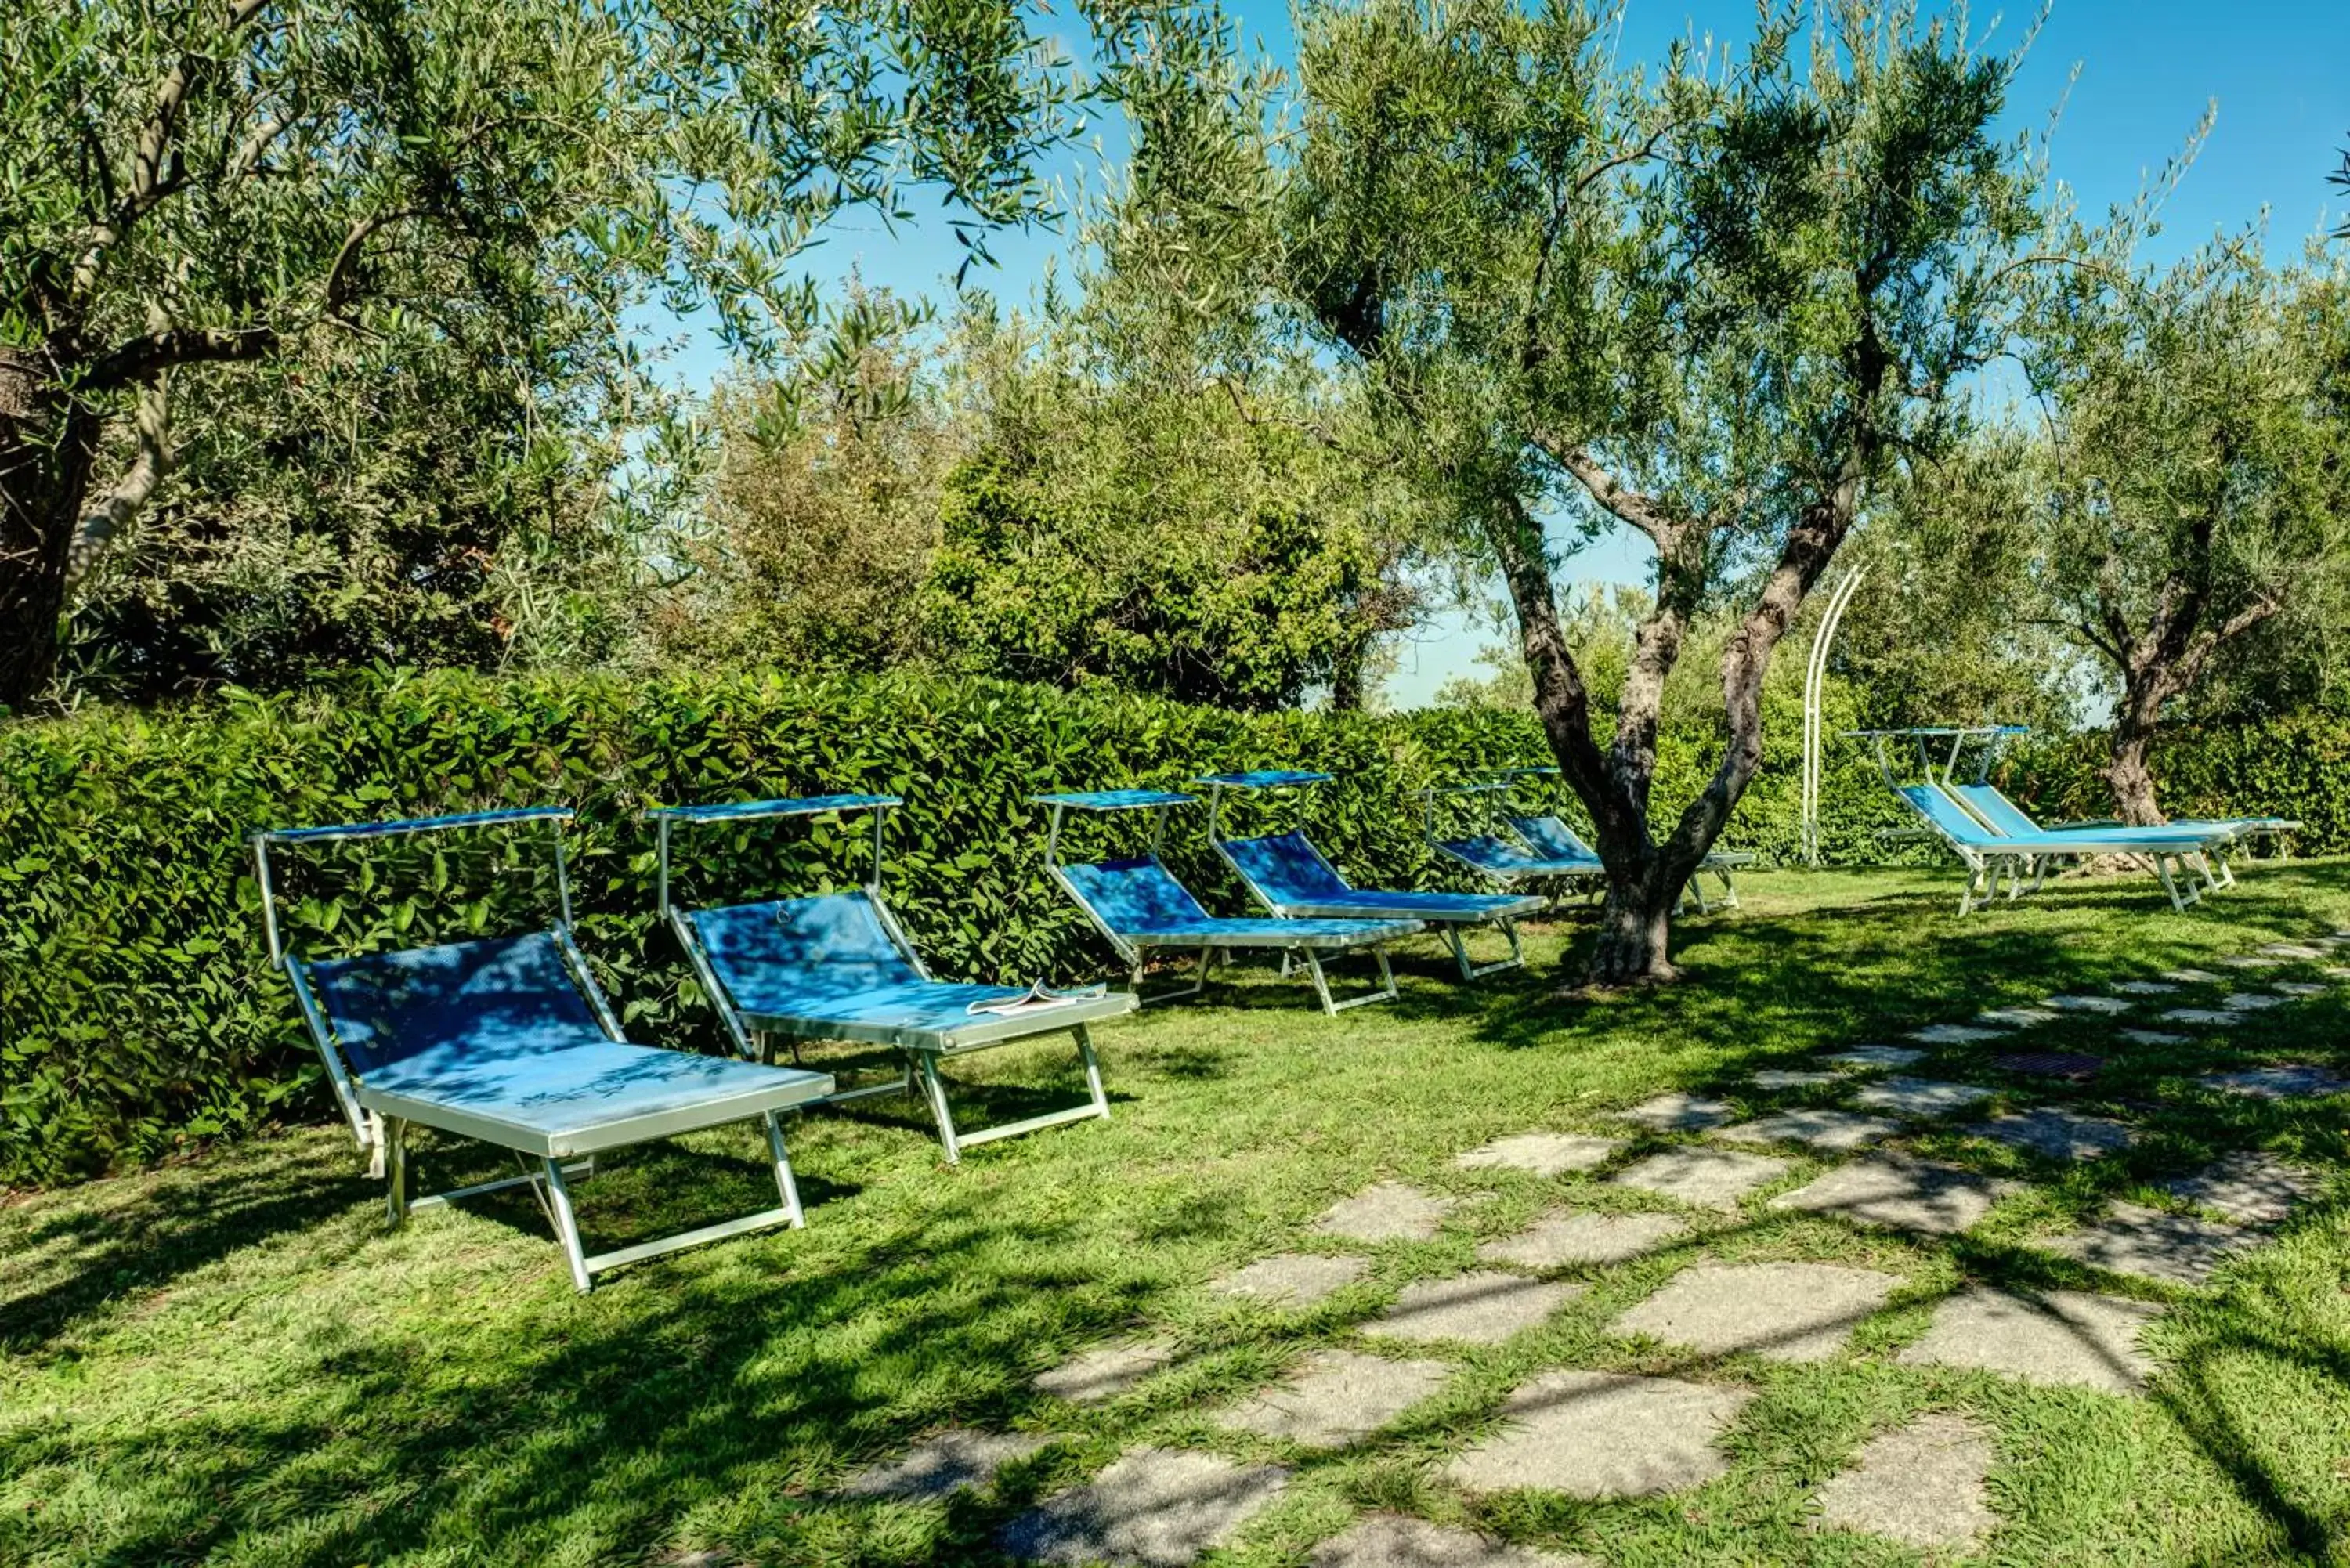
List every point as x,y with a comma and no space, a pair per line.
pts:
138,1011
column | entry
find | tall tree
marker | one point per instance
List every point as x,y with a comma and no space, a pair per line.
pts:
213,181
2197,482
1719,309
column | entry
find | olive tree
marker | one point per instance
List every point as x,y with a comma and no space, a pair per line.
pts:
2195,472
216,182
1719,305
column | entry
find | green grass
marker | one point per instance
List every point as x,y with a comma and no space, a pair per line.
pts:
231,1360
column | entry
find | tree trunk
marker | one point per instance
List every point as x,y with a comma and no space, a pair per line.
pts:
1635,927
2125,761
1346,677
47,442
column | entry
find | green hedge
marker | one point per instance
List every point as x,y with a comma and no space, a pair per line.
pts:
137,1011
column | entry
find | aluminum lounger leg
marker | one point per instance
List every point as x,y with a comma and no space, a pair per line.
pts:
392,1149
1321,984
1095,1108
1199,982
786,1184
1470,972
1728,888
584,1269
1386,991
935,1091
375,1145
567,1226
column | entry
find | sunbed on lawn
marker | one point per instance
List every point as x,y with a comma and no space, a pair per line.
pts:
508,1041
839,966
2219,835
2176,858
1550,837
1140,907
1292,879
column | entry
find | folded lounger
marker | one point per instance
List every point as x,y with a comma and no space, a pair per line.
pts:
2175,856
1551,837
838,966
1287,874
508,1041
2219,835
1139,905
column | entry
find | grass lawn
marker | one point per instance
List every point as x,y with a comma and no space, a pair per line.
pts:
233,1361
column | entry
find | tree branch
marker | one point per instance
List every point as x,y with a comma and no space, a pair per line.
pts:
100,526
137,361
1642,512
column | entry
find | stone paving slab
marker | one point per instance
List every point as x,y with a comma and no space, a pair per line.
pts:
2300,988
2292,951
2058,1338
2147,988
2192,977
2058,1135
1678,1112
1544,1153
1786,1311
1559,1239
1480,1307
1920,1096
1390,1212
2107,1006
2201,1017
2249,1000
1400,1540
1710,1178
1921,1485
943,1464
2150,1037
1154,1507
1878,1056
2135,1239
2249,1188
2254,960
1106,1371
1900,1193
1293,1280
1604,1434
1783,1078
1840,1132
2015,1017
1337,1398
1954,1034
2291,1081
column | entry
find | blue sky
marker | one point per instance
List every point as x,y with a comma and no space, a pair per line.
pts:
2278,71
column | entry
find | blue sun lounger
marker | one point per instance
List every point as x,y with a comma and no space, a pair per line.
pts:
2219,835
1508,861
839,967
1140,905
508,1041
1551,838
1293,880
2176,858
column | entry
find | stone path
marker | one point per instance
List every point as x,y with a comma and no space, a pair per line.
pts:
1921,1485
1906,1194
943,1464
2147,988
1920,1096
2250,1002
1398,1541
1783,1078
2249,1188
2108,1005
2135,1239
1337,1398
1154,1507
2058,1135
1710,1177
2056,1338
2255,961
1878,1056
2015,1017
1482,1307
2300,989
1106,1371
2150,1037
1559,1239
1954,1034
1604,1434
1836,1131
2293,1081
1786,1311
2292,951
1391,1211
1293,1279
1678,1112
1545,1153
2201,1017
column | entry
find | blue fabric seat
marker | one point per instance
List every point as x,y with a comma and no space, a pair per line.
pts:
1506,862
1140,898
1290,877
2009,820
495,1040
2176,855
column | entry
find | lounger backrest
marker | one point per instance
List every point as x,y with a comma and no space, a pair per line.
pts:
1287,869
1134,895
2003,814
833,944
1948,816
1490,854
1551,839
507,997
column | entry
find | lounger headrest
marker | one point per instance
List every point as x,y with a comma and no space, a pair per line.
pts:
1137,894
833,941
1286,866
507,996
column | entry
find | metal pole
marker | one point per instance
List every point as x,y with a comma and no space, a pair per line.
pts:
1814,681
